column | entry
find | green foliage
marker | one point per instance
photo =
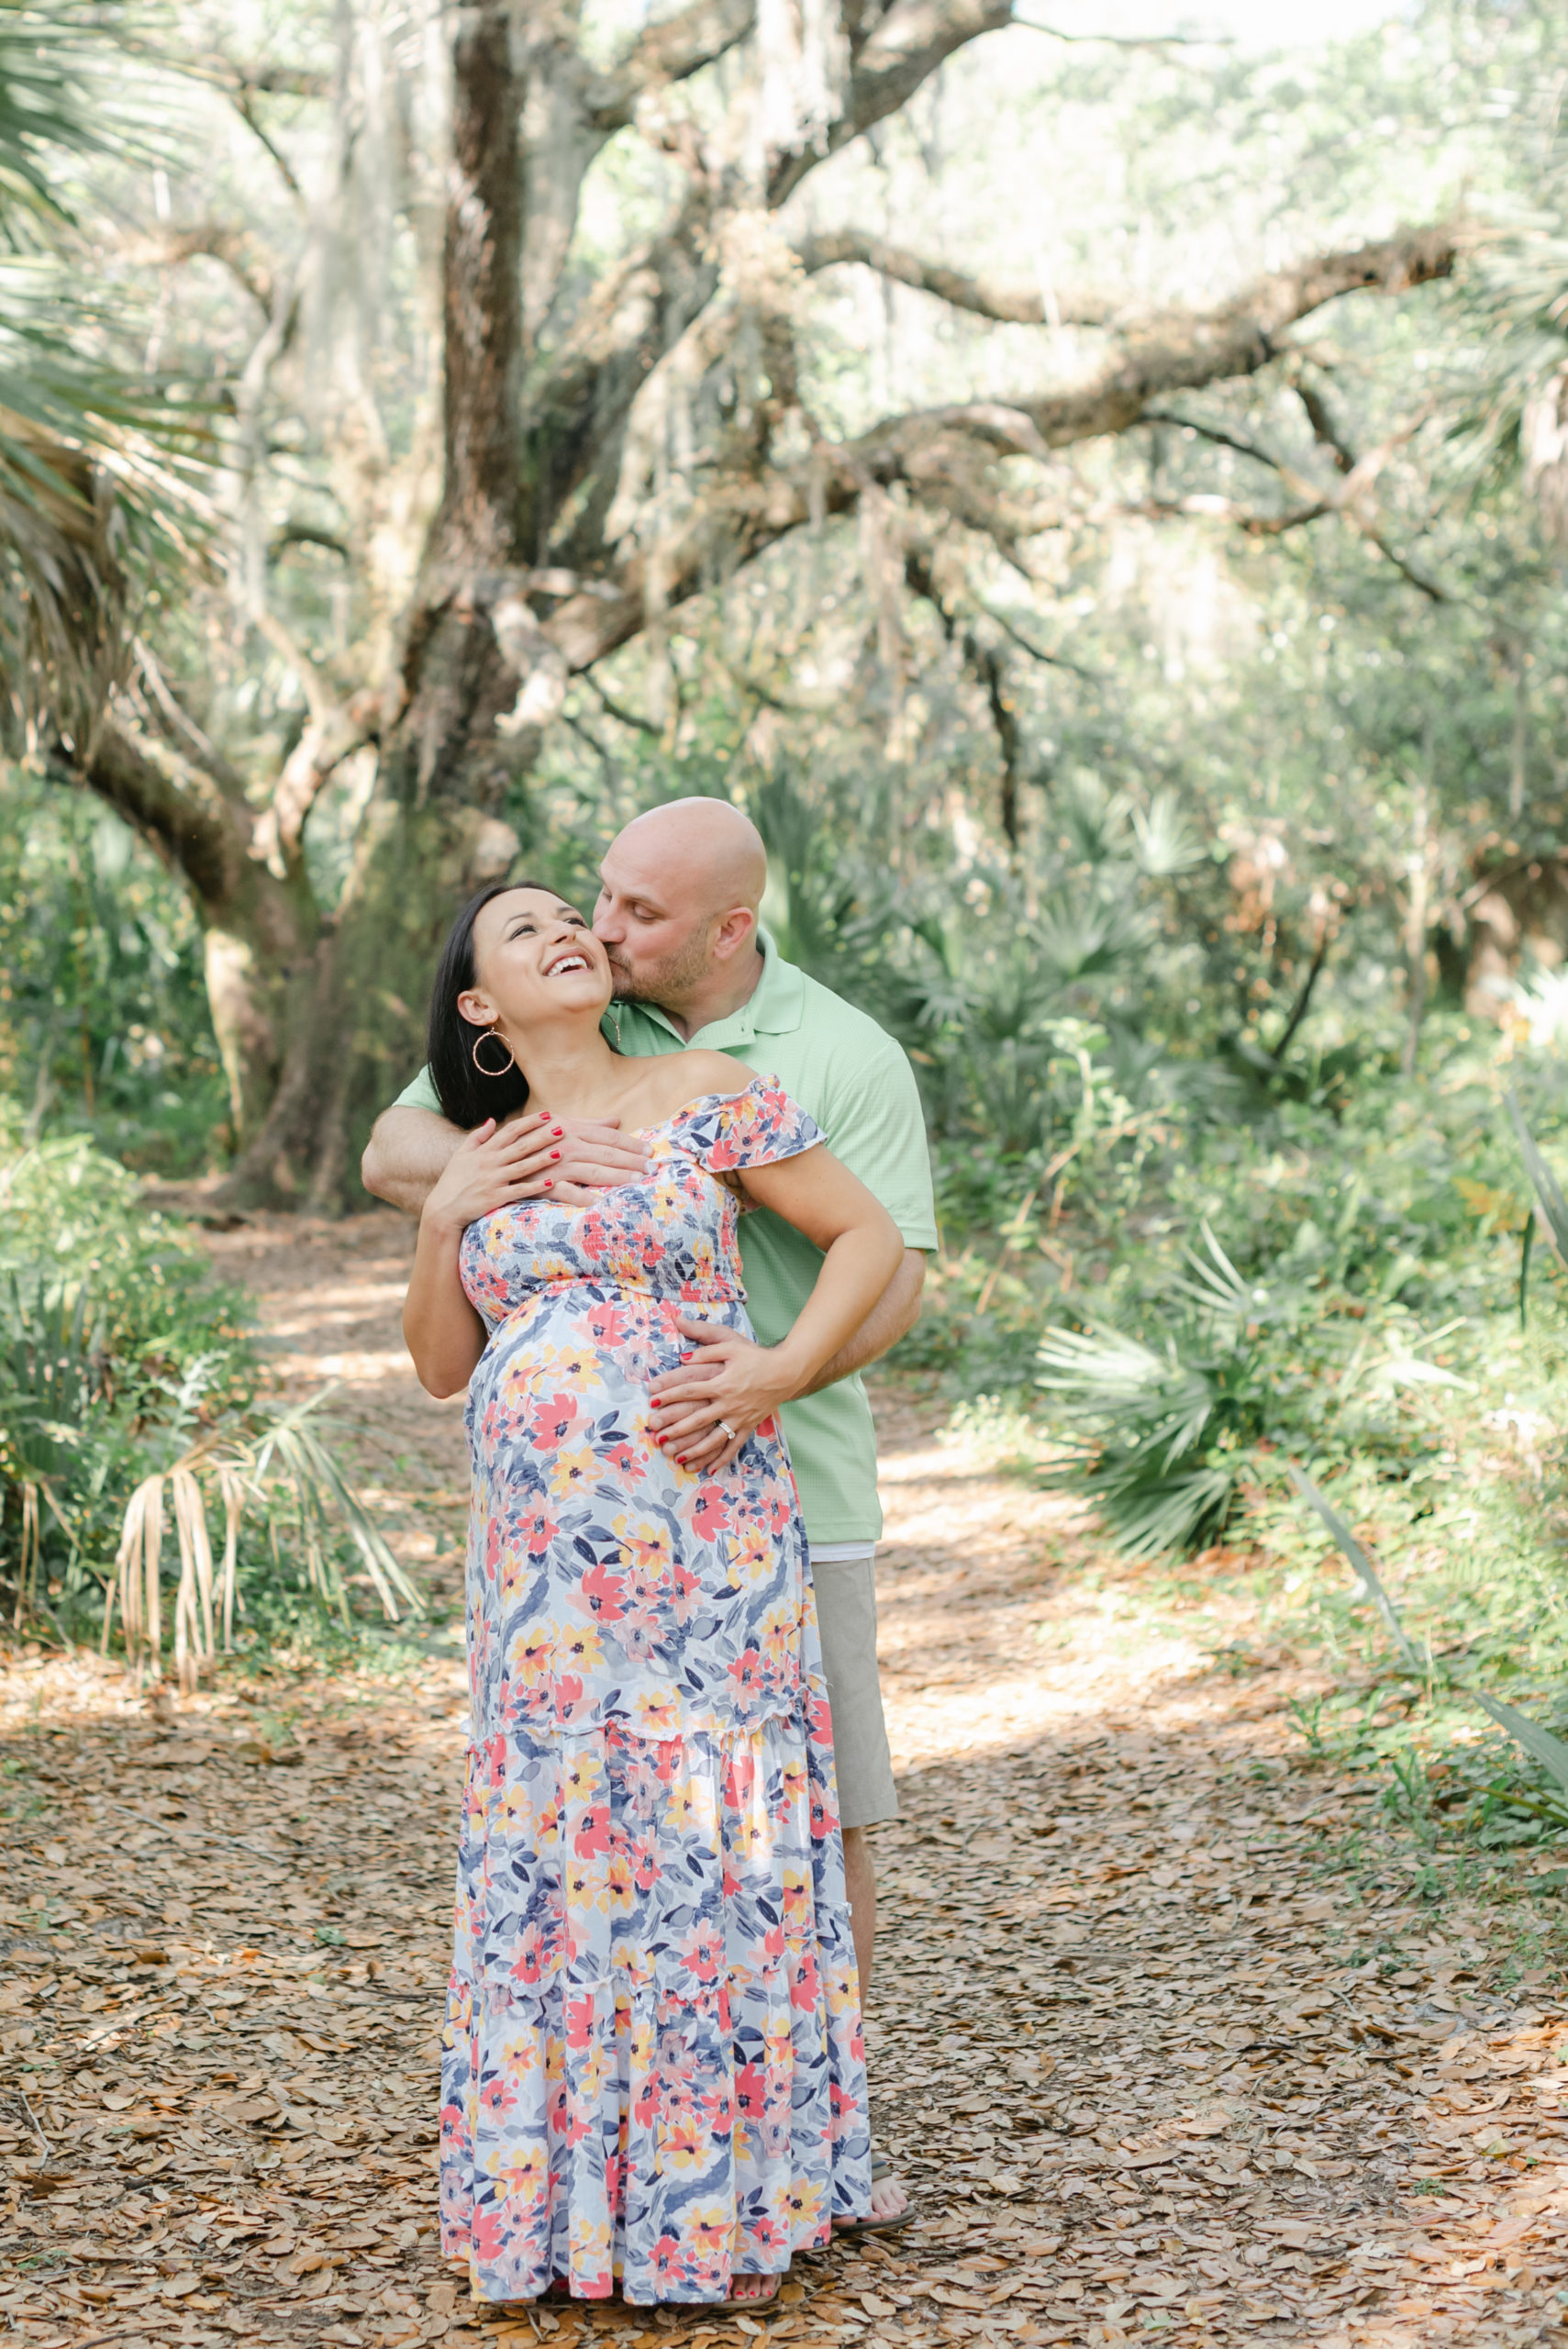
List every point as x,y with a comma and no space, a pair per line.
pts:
104,1020
126,1382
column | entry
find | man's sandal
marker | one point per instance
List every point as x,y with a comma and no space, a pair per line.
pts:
881,2169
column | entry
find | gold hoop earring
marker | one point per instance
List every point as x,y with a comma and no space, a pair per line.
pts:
484,1034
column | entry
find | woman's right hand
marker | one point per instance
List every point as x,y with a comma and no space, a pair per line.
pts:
490,1169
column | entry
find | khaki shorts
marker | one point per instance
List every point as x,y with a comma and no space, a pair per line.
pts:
846,1612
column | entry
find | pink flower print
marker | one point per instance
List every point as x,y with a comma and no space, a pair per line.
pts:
767,2234
824,1816
536,1526
746,1672
685,1593
802,1989
641,1636
703,1950
608,1325
454,2129
751,2091
712,1512
570,1697
645,1863
552,1420
498,2097
532,1960
621,1456
605,1594
717,2112
669,2262
594,1834
580,2020
773,1942
488,2228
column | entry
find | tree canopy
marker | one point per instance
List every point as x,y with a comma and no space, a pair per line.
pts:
448,413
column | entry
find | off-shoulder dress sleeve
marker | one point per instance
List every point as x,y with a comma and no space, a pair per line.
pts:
756,1128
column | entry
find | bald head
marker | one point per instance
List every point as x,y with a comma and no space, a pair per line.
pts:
677,910
702,851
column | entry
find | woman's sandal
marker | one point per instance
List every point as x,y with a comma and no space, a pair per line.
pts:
752,2299
881,2169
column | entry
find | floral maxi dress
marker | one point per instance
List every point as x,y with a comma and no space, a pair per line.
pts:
653,2064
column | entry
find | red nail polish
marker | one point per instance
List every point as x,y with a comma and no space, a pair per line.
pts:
555,1154
546,1184
680,1459
559,1131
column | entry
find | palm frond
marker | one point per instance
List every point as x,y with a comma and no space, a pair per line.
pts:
1165,843
1553,1207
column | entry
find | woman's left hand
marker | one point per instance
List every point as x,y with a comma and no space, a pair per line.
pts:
728,1378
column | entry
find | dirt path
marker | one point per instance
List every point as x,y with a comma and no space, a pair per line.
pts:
1153,2060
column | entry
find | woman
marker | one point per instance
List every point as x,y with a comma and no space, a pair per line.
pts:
654,2066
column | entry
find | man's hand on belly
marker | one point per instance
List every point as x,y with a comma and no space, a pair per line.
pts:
728,1378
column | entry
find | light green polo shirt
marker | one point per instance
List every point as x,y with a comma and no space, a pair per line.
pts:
855,1081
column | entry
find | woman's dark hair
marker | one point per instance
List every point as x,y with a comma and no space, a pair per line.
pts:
467,1096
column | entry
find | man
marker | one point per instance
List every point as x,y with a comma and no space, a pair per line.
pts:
678,916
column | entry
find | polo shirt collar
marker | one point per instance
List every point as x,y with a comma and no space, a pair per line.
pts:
775,1006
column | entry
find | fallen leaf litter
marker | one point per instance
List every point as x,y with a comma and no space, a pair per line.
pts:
1143,2061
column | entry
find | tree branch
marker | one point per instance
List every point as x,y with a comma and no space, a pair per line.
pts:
213,241
669,52
988,297
1132,41
903,49
943,457
174,807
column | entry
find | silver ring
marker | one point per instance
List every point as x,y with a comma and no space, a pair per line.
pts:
725,1429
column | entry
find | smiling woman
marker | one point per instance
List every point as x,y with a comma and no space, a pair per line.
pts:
654,2068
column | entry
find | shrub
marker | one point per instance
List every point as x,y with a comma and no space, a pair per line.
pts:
130,1408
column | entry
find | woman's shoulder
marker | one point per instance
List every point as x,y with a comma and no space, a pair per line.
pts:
694,1076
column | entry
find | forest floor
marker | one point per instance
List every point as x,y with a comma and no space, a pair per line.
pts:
1175,2031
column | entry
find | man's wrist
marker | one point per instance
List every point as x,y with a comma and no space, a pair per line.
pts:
794,1371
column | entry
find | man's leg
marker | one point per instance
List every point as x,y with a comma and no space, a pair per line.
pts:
860,1879
846,1613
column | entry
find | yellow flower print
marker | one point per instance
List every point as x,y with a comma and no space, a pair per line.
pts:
572,1471
590,2242
753,1557
656,1710
587,1893
577,1648
708,2226
527,1655
584,1777
805,2202
683,2142
526,2173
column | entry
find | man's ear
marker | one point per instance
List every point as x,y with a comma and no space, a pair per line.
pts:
732,931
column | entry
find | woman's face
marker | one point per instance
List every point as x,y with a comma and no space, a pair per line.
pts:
534,958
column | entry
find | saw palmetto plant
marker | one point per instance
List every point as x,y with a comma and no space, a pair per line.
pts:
130,1432
98,459
1158,1436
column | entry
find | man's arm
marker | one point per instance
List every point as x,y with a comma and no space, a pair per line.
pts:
407,1154
897,1310
571,1158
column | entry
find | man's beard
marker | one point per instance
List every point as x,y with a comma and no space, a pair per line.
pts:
667,983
